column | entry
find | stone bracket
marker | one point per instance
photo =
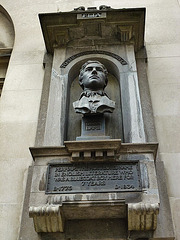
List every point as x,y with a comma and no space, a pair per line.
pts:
92,150
47,218
142,216
51,218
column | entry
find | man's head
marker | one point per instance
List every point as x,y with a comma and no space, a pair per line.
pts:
93,76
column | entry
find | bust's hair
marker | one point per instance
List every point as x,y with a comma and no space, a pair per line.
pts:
84,66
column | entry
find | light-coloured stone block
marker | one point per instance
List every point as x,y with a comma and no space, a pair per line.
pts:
157,30
167,134
170,10
163,70
16,139
163,50
175,209
20,106
27,57
10,221
13,174
24,37
165,99
24,77
172,163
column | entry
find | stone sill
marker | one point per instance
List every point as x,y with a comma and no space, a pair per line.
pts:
75,147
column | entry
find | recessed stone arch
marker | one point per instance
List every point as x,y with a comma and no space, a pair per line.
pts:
73,120
7,29
130,119
7,37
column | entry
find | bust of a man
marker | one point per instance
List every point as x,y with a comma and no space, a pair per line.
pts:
93,99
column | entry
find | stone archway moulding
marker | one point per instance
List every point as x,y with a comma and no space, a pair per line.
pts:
133,127
67,61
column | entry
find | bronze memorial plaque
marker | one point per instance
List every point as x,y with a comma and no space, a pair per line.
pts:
93,177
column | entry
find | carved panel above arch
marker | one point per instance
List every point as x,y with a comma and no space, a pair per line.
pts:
118,26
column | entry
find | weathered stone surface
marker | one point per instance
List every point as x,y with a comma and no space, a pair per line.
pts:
47,218
164,219
77,29
142,216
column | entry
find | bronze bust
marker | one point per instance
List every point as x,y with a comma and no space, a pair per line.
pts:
93,99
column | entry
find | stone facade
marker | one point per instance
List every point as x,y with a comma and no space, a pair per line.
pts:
22,100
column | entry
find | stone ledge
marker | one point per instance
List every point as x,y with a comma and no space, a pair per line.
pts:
93,149
109,148
51,218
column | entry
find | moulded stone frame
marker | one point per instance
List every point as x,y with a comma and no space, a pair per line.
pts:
61,79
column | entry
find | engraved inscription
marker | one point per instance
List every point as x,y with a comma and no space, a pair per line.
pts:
70,59
93,177
91,15
92,126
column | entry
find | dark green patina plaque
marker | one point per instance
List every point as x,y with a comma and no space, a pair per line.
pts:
93,177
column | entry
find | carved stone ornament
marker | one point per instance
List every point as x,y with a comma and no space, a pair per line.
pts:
104,7
81,8
107,26
93,80
47,218
142,216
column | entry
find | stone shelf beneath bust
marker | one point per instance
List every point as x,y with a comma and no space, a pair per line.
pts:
95,149
106,149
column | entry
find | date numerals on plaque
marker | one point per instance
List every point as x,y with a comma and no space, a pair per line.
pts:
127,186
63,189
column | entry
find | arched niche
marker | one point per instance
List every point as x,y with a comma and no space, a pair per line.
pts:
7,29
62,124
114,125
6,43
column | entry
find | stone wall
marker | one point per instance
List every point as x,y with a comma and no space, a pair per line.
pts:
20,100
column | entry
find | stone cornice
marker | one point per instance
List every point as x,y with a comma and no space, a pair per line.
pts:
112,147
109,26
